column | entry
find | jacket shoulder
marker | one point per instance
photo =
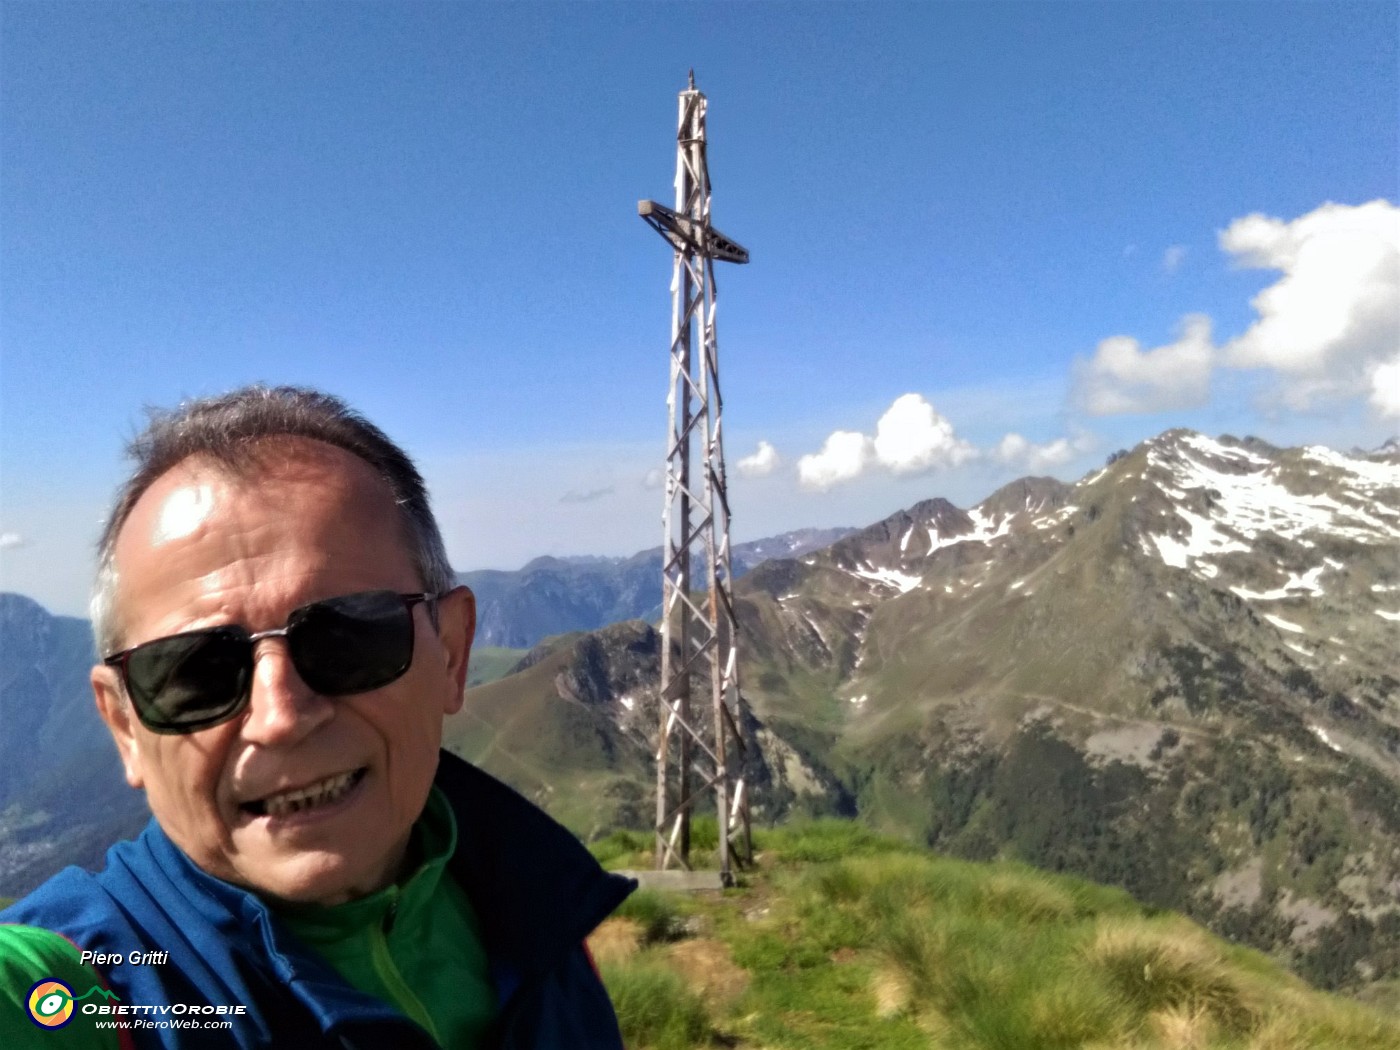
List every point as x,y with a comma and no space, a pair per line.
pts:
73,903
535,887
569,1007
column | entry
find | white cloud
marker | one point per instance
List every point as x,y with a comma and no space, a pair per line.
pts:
1016,451
1327,329
843,457
577,496
1122,377
1385,388
910,438
653,478
762,463
1329,322
10,540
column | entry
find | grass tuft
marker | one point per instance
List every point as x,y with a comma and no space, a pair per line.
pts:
615,941
1169,966
1027,897
1183,1027
655,1009
658,915
622,846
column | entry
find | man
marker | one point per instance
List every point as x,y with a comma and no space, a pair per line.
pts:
281,637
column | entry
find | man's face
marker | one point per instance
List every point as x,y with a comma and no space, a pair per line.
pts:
202,548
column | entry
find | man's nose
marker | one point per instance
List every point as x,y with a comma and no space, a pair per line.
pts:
282,710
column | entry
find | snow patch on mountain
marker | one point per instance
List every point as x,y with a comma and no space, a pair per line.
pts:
902,582
1321,734
1095,476
1374,474
984,530
1306,583
1205,539
1051,520
817,631
1211,447
987,529
1246,495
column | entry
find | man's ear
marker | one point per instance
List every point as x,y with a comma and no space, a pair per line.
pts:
457,628
116,711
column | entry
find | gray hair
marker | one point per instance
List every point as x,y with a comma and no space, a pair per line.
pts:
229,429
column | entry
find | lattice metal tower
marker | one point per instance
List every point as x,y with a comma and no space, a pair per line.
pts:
698,629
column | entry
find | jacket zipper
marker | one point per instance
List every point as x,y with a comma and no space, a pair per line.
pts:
399,990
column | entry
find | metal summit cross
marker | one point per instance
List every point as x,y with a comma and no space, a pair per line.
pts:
698,628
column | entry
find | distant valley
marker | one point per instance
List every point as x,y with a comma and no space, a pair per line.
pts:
63,799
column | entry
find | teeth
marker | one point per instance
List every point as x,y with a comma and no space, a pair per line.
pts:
329,790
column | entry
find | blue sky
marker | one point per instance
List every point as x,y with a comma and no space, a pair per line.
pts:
430,209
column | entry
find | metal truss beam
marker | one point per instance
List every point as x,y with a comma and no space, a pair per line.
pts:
696,758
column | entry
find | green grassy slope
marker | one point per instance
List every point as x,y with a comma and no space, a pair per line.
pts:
841,939
567,756
492,662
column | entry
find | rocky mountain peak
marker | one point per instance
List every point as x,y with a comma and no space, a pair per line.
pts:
904,537
1034,496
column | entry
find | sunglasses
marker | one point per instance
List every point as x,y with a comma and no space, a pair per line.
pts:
339,646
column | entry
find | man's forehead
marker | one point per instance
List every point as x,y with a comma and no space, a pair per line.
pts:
182,512
182,499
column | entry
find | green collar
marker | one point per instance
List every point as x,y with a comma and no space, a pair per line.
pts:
434,839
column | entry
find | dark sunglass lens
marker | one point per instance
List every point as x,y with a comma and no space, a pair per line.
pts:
352,644
189,681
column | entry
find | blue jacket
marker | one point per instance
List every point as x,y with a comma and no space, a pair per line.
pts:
537,893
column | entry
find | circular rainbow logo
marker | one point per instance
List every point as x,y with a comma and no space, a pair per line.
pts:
50,1003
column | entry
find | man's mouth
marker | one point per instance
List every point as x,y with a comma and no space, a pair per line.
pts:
322,793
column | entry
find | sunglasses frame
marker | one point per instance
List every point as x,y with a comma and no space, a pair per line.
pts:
120,661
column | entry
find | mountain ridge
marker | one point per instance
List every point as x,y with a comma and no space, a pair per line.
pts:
1176,675
550,595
